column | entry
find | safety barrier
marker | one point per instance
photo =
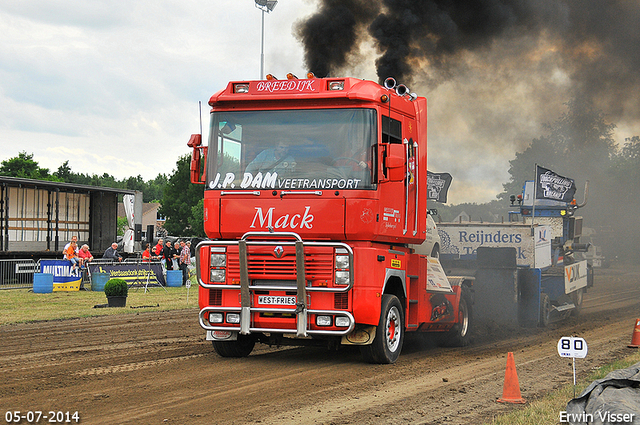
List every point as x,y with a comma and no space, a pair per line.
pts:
17,274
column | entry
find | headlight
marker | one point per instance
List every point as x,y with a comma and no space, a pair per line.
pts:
342,277
342,262
218,260
323,320
342,321
233,318
218,275
215,317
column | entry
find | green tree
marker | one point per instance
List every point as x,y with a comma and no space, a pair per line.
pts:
196,221
121,225
180,196
23,166
579,145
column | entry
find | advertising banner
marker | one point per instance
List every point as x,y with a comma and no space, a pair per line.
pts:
575,276
64,278
462,240
133,274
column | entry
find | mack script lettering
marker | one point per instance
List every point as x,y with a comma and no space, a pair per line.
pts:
285,221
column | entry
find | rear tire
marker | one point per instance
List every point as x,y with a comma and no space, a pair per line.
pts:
545,310
459,335
387,344
242,347
576,298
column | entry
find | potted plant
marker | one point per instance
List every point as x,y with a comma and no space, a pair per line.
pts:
116,291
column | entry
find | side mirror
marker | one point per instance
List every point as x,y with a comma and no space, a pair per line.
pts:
195,142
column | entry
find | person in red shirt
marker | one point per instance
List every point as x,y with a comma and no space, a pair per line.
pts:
158,248
84,254
146,255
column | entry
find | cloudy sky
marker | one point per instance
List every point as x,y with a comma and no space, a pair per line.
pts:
114,86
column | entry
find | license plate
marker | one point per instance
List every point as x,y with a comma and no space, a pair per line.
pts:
276,300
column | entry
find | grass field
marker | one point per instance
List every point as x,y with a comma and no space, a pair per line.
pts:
22,305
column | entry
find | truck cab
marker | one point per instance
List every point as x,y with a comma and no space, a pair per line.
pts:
315,195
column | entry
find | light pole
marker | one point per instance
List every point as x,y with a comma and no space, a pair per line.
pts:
264,6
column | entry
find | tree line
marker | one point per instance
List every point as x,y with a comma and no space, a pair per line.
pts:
580,145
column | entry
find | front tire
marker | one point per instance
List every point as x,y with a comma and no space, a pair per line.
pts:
387,344
241,347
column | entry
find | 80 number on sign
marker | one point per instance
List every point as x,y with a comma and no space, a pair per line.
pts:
571,346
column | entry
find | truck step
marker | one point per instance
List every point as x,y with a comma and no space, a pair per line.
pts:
564,307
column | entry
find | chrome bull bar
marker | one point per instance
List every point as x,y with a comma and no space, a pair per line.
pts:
250,329
302,311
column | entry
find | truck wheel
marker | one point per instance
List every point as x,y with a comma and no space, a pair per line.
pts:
459,335
545,310
387,343
242,347
576,298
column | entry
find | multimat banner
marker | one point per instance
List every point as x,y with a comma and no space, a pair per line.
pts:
64,278
133,274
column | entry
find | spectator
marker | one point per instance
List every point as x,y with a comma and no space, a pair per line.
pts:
167,256
84,254
146,255
70,254
158,248
112,253
184,260
64,250
176,255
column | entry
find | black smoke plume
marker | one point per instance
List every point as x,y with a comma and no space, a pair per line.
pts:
595,40
329,35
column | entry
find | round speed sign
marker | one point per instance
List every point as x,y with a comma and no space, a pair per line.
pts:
571,346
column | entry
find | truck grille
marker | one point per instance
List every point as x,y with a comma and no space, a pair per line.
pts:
263,264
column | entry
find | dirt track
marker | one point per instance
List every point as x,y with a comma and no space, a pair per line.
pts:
156,368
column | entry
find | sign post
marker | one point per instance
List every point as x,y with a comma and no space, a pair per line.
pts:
571,346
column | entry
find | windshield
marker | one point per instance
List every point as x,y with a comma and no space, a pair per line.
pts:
295,149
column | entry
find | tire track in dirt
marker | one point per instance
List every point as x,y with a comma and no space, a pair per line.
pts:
156,367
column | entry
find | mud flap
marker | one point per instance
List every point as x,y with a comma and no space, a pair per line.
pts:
499,290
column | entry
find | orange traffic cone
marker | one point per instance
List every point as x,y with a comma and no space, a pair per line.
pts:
635,338
511,388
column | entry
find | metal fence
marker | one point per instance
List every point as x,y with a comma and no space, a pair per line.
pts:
16,274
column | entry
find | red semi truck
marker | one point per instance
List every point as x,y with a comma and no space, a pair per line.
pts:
316,210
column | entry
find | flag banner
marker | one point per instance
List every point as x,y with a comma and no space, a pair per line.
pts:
550,185
438,186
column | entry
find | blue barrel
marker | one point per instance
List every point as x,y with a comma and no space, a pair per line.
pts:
98,280
174,278
42,283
